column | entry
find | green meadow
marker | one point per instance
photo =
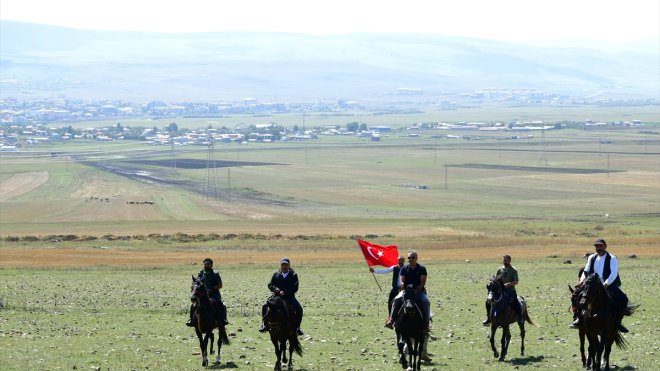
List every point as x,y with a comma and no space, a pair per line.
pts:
132,319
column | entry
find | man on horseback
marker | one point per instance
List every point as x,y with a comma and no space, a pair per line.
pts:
509,276
285,284
412,275
213,283
606,266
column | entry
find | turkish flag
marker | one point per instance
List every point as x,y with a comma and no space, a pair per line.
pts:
387,256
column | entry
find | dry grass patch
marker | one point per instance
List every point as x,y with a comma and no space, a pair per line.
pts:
21,183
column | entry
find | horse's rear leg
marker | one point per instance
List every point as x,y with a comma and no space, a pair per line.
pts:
278,353
212,340
218,358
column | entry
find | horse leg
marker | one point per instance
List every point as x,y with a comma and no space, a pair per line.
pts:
493,329
591,361
290,357
419,345
599,351
606,356
411,351
283,349
205,342
217,356
211,340
278,353
584,359
504,342
522,339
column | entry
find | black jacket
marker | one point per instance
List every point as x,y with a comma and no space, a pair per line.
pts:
289,284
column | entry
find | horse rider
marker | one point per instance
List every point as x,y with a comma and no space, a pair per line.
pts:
284,283
412,275
396,283
213,282
509,276
606,266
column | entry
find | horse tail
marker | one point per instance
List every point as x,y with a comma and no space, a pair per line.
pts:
526,313
630,309
620,340
222,332
294,343
529,320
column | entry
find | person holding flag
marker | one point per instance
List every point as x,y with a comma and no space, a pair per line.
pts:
396,283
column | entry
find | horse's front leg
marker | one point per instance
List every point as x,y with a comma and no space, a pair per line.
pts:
418,352
203,344
283,350
522,339
211,340
493,330
506,337
278,353
411,352
599,351
584,359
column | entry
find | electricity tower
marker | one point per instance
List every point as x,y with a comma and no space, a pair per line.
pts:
211,189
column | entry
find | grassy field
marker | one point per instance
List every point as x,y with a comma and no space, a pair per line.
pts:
97,240
549,114
115,317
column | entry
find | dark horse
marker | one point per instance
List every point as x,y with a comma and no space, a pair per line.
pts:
205,319
282,328
502,315
575,294
600,318
409,326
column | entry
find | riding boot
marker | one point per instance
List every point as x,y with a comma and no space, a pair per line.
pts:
425,355
486,322
576,323
190,320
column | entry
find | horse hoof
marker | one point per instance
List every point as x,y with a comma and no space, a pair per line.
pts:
495,355
205,363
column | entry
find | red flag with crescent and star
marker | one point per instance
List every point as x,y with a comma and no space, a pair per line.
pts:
387,256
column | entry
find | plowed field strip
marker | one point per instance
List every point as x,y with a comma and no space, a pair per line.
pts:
88,258
21,183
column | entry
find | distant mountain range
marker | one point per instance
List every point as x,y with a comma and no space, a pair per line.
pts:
39,60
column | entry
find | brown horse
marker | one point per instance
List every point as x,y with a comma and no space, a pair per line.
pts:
600,318
205,319
502,315
282,329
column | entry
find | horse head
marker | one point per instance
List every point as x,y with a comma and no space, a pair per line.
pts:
275,309
494,288
592,293
197,290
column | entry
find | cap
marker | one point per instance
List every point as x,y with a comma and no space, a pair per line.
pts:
600,241
284,260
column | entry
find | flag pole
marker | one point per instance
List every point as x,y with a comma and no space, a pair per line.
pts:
375,279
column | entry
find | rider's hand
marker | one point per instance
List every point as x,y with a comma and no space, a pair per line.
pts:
371,270
605,285
281,293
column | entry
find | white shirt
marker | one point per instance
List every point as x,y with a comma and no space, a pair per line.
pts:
599,266
286,274
388,270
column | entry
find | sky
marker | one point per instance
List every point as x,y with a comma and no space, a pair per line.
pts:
615,21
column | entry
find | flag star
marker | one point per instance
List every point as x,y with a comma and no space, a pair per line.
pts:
380,253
